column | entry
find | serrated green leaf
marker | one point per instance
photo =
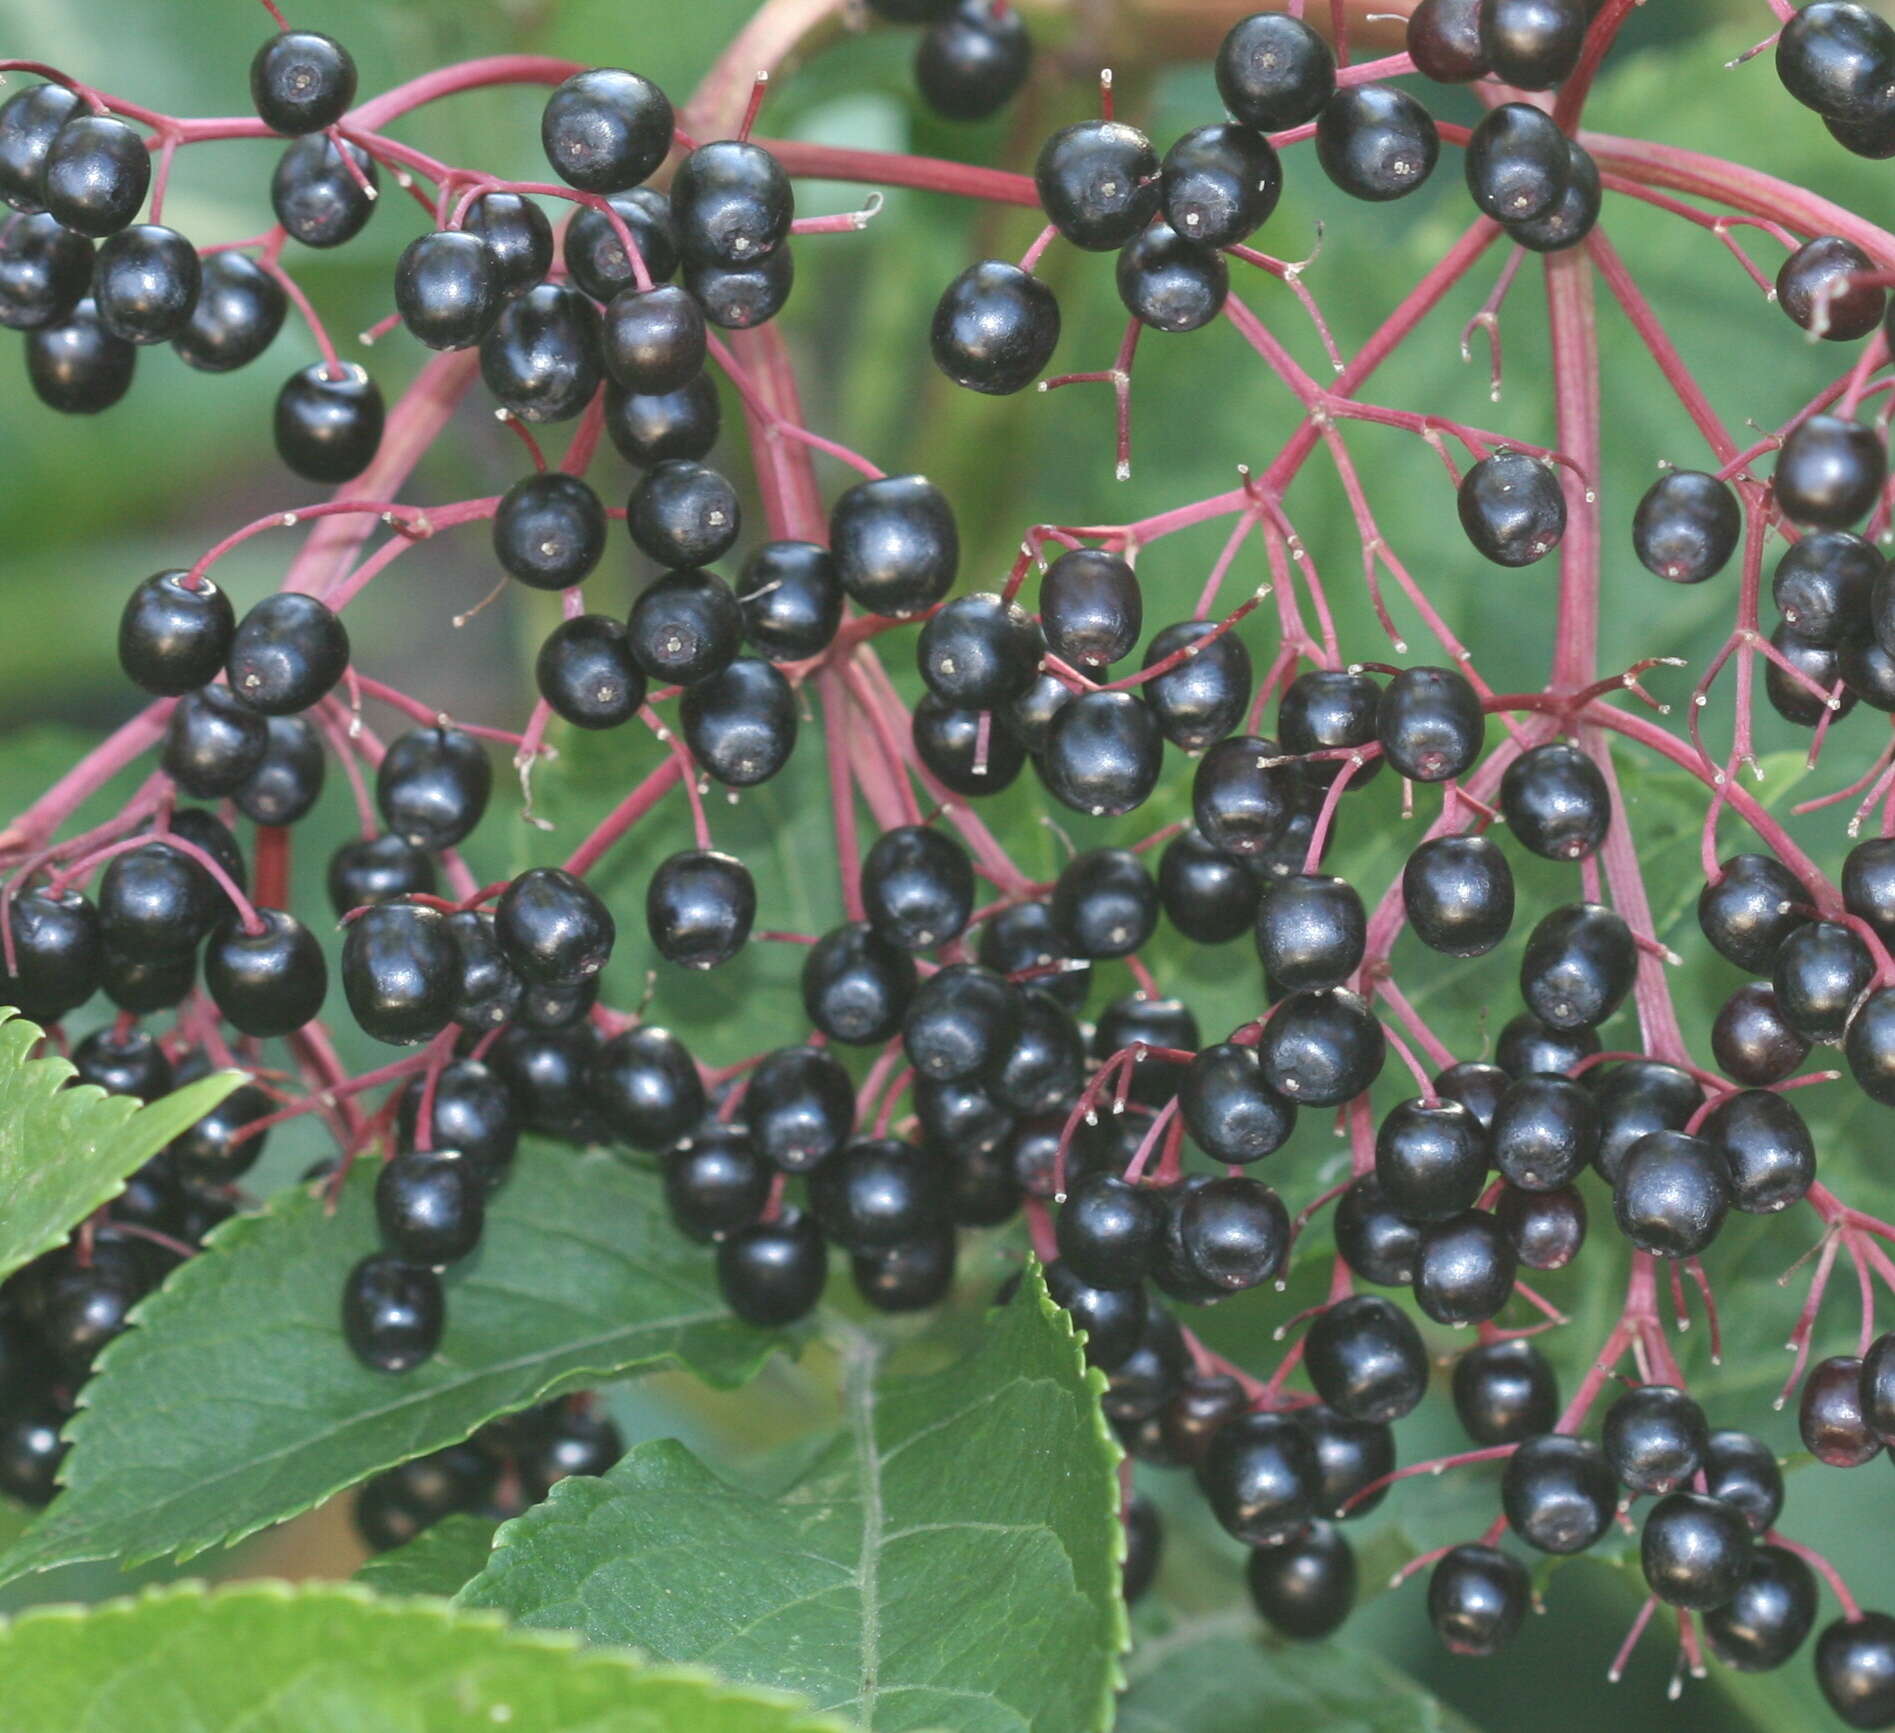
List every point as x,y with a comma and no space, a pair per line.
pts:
440,1560
951,1560
273,1658
1218,1675
64,1151
235,1403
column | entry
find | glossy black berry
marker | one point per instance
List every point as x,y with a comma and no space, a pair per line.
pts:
520,238
1098,182
1743,1471
1209,896
917,887
1575,213
1477,1599
129,1064
963,750
1814,288
1233,1233
328,424
376,869
1512,508
1430,724
715,1183
1261,1476
1532,44
430,1205
29,119
433,786
1877,1387
1091,608
1274,71
1311,929
1431,1159
596,258
1505,1392
1870,1046
644,1085
731,203
269,982
322,198
1104,904
1555,801
894,544
288,780
553,927
44,271
1545,1132
685,626
977,651
1824,585
1855,1661
1671,1194
800,1107
1817,665
652,340
1695,1550
1578,966
1464,1268
1830,471
961,1023
606,129
699,907
856,985
1231,1112
472,1110
213,743
1304,1586
447,288
1366,1359
1320,1049
286,653
1376,1242
1686,526
155,901
393,1313
1023,940
1830,1417
58,953
1836,57
1821,969
1325,709
174,635
683,514
1376,142
95,174
791,600
1139,1021
301,81
971,63
547,1072
1654,1437
400,972
1558,1492
1517,162
737,297
1457,892
540,357
586,672
1204,694
1770,1616
647,429
1220,184
77,366
1750,909
145,283
1751,1039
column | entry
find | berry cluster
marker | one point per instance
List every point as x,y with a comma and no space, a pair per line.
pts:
993,1081
507,1465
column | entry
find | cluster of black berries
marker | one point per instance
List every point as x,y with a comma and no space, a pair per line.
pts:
1839,59
59,1311
506,1466
973,55
1104,188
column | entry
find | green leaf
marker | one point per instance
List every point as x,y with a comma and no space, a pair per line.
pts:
951,1559
274,1658
64,1152
235,1403
438,1561
1217,1675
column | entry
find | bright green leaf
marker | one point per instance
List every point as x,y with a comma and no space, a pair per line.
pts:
950,1560
236,1403
440,1560
1218,1676
64,1152
272,1658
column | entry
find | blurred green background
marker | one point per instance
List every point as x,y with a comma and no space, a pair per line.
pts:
89,507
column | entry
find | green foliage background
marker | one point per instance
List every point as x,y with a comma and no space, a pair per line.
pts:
89,507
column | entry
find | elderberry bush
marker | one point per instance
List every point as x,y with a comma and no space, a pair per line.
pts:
1249,981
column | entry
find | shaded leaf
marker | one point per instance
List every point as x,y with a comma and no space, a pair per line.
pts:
1218,1675
438,1561
64,1152
272,1658
951,1559
235,1403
